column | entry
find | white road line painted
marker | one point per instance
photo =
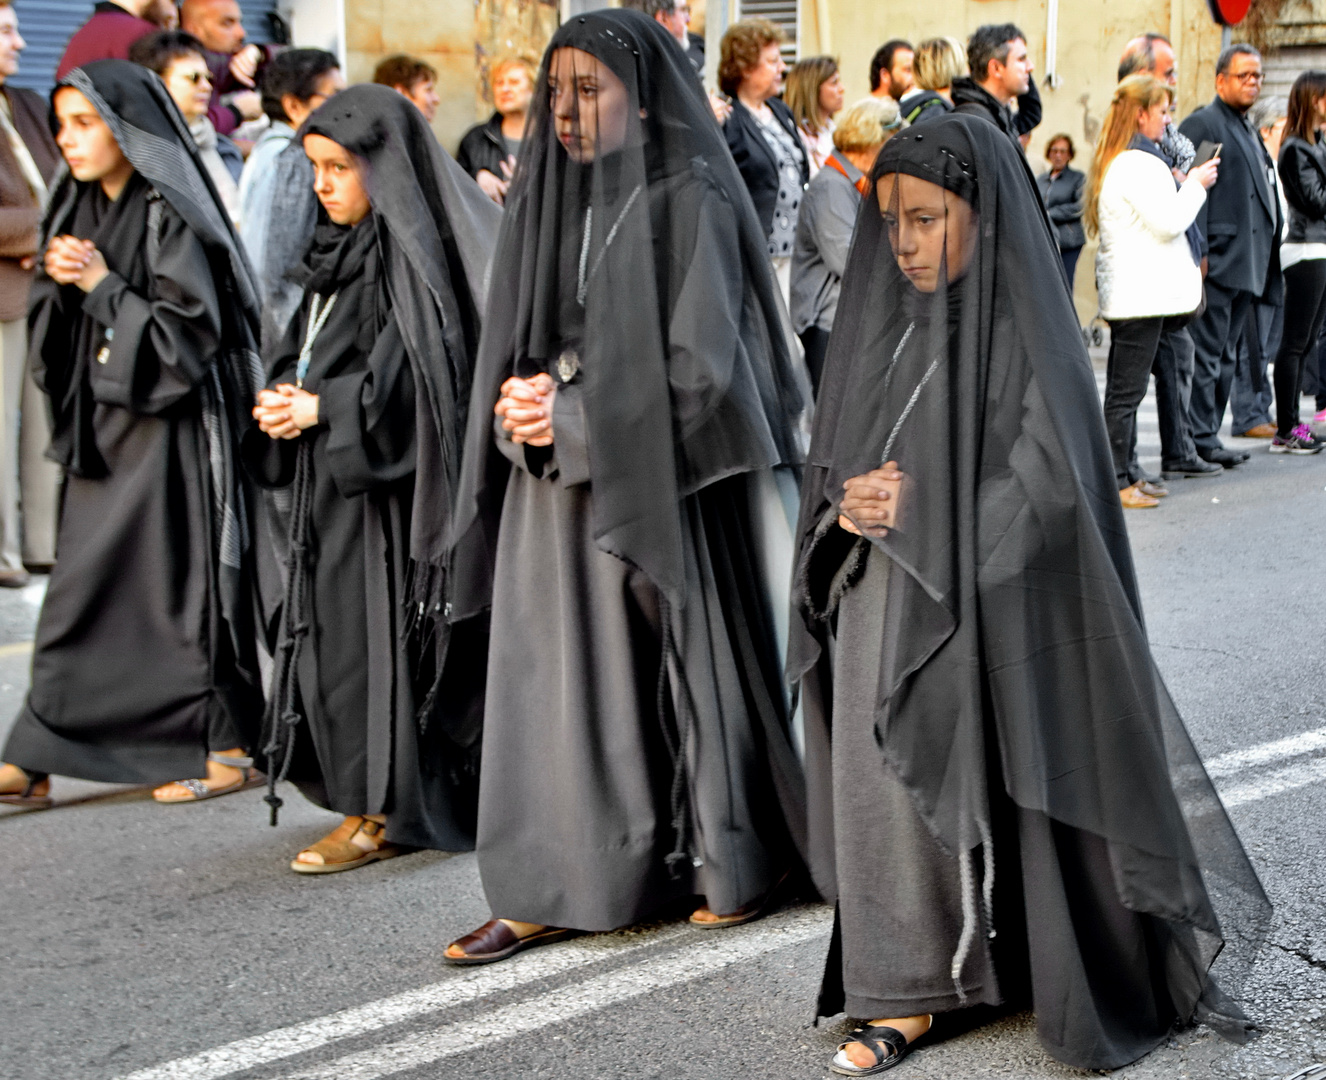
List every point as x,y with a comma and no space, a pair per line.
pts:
1305,742
695,961
470,985
1275,783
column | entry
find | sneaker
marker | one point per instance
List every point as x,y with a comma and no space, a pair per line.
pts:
1298,441
1320,418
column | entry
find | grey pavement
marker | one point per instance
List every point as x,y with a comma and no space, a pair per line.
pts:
136,936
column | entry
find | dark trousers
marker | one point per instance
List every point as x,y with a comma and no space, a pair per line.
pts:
1305,310
1133,345
1069,256
1215,337
1250,394
1173,373
815,340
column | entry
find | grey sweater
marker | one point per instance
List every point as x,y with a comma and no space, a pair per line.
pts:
824,234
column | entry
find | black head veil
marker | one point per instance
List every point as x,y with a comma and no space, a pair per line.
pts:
152,134
600,249
435,229
1013,629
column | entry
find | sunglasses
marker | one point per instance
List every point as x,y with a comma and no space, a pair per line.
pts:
196,77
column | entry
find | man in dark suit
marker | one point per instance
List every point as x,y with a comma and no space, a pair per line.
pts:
1240,225
28,159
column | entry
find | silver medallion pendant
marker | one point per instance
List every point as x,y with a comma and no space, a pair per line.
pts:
568,365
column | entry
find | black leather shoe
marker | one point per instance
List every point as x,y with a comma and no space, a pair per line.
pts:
1193,467
1226,457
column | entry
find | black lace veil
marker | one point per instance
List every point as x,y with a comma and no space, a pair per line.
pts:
1013,623
630,258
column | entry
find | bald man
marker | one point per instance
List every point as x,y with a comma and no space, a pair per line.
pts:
219,25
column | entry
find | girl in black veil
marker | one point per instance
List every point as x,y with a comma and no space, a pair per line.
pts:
144,323
375,709
621,516
1002,798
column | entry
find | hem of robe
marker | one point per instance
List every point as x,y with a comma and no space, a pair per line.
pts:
412,832
507,887
35,746
866,1008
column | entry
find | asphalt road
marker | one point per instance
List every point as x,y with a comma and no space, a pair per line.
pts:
173,942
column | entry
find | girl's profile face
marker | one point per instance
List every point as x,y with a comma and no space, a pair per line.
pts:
929,228
85,140
590,105
336,181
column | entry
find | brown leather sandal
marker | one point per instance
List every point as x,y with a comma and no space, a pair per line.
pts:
495,941
28,796
339,853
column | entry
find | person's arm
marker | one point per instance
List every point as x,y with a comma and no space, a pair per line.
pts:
1196,129
18,231
1304,190
1148,188
834,220
161,347
1065,213
1029,108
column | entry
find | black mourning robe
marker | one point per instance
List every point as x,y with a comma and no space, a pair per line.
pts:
134,676
359,749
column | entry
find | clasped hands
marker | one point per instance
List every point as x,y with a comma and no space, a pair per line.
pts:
871,500
285,412
526,408
71,261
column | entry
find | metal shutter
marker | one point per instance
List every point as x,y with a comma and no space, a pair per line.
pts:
781,12
47,26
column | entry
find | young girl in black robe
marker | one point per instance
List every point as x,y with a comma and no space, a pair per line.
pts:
375,710
143,328
1002,799
621,514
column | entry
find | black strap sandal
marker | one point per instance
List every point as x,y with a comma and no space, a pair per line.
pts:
889,1045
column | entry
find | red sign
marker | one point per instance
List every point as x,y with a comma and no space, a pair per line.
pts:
1229,12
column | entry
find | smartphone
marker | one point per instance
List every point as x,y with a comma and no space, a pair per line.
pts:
1206,152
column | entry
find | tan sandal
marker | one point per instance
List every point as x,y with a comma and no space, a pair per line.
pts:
339,852
198,791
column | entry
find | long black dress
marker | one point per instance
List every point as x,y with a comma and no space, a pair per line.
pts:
1003,800
636,743
144,655
374,729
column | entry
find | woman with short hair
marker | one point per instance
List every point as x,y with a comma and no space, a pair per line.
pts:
824,229
814,93
1147,267
762,135
1061,192
937,63
489,151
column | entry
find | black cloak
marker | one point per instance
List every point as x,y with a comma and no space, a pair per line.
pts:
145,650
1015,664
637,278
363,649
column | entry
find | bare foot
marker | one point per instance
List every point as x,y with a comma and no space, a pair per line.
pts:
364,840
14,781
218,776
911,1027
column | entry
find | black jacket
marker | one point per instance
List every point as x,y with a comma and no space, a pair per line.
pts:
756,161
1303,174
1240,220
926,105
1062,197
483,148
970,97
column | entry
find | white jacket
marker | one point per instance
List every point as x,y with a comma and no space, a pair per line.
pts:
1145,267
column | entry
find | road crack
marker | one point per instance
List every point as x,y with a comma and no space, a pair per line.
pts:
1301,954
1196,648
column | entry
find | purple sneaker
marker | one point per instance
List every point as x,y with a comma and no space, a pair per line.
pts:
1299,441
